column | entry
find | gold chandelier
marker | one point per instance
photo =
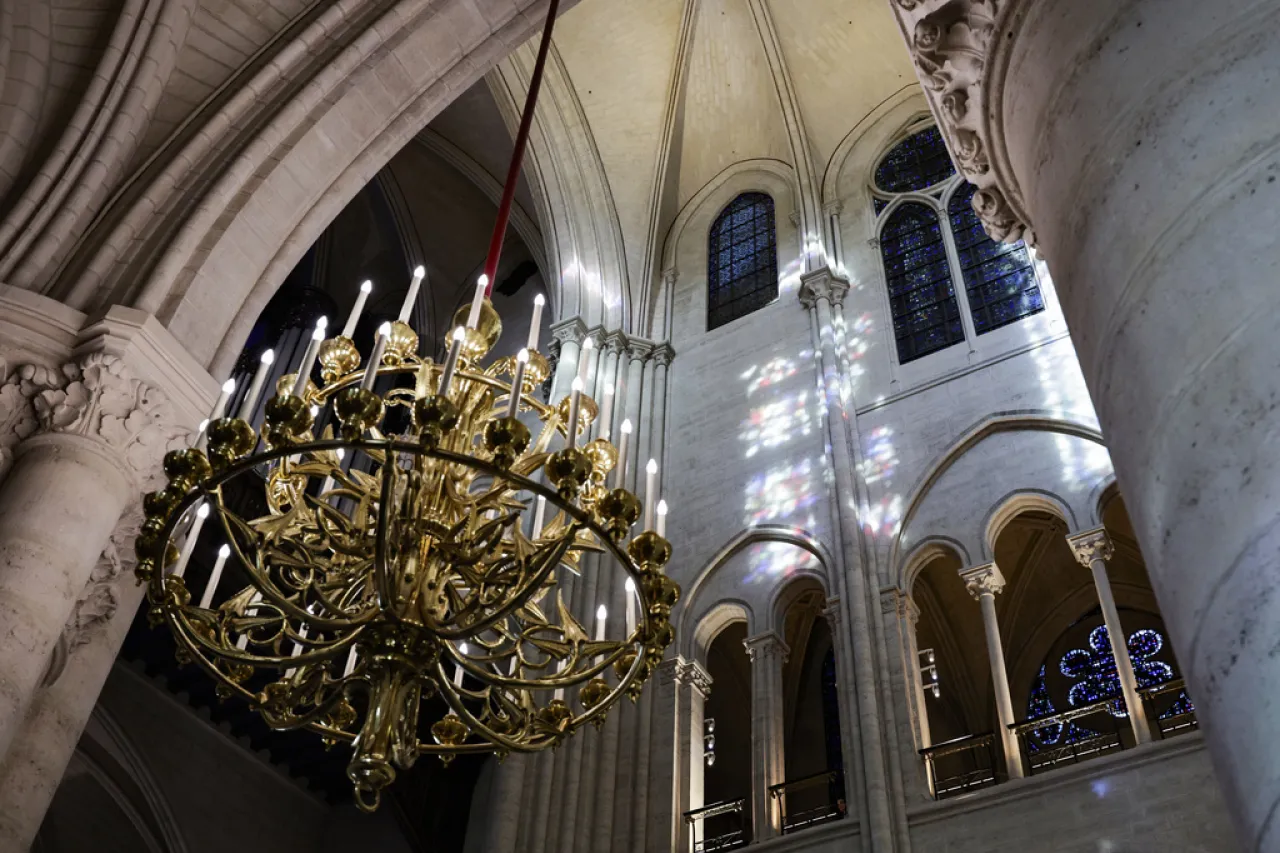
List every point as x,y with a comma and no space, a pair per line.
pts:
393,568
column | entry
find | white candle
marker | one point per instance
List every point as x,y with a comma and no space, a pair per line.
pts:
243,643
357,309
517,383
602,614
623,449
457,672
575,402
584,360
631,606
220,407
606,413
411,297
535,328
650,486
375,359
309,359
451,363
351,662
662,518
223,553
538,514
255,388
473,319
189,544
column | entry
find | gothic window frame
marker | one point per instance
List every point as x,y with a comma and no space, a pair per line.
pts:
938,197
736,296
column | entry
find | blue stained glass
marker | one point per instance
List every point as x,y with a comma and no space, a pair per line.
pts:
742,265
926,316
999,278
916,163
879,204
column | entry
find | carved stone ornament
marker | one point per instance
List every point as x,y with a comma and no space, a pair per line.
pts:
766,647
951,43
97,398
100,600
1092,545
692,673
822,284
983,580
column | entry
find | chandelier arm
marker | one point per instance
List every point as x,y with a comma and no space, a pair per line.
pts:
382,577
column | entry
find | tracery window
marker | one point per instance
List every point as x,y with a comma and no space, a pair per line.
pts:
1093,677
742,260
925,263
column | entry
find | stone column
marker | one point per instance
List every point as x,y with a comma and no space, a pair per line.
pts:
1137,142
661,358
821,292
679,690
568,335
1093,549
984,583
768,653
69,484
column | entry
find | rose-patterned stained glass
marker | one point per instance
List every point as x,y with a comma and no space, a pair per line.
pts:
926,316
999,278
918,162
742,261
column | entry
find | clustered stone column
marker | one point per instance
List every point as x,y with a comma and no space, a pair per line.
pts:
1093,549
768,653
984,584
571,799
1136,142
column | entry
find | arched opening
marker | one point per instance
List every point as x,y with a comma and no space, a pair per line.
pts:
727,737
814,788
90,813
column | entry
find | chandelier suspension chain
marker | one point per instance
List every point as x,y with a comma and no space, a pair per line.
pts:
517,155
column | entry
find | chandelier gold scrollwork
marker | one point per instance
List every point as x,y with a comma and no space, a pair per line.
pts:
401,559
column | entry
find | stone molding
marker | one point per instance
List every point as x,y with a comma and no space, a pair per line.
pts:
983,580
571,331
766,646
1092,545
951,42
822,284
636,348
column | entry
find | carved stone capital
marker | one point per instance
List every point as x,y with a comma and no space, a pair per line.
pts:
616,342
570,331
669,277
983,580
1092,545
766,647
834,207
951,43
663,354
692,673
896,601
639,349
822,284
831,613
96,398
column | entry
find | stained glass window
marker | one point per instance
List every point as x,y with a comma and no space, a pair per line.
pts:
742,263
1094,678
926,317
999,278
916,163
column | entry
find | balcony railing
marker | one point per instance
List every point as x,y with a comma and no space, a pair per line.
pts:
720,826
1076,735
810,800
1070,737
960,765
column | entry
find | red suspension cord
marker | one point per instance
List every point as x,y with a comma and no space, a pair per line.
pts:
517,156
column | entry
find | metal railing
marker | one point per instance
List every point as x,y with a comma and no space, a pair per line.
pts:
1107,733
725,826
960,765
810,800
1090,731
1169,709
